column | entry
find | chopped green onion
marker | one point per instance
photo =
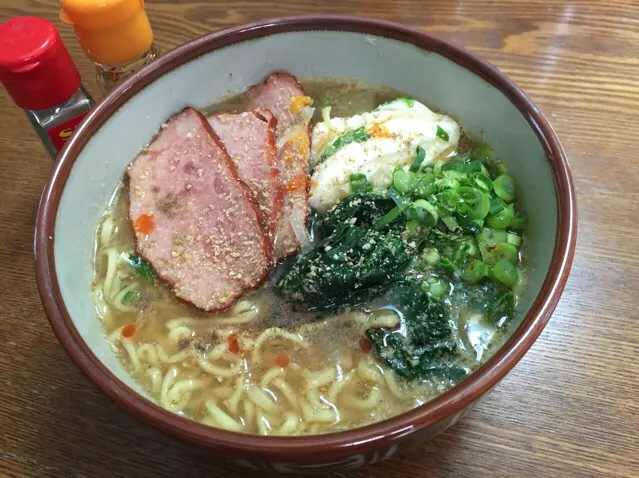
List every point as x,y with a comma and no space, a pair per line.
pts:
130,296
513,239
505,188
441,133
447,265
412,227
471,247
474,166
481,181
492,236
505,251
473,226
505,272
431,255
359,183
407,101
502,219
426,186
401,202
448,183
496,205
482,152
447,201
438,288
474,271
425,212
358,135
450,222
419,159
457,175
474,203
455,166
387,218
485,250
142,267
518,222
404,181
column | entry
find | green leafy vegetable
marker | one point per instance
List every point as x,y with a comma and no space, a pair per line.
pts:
501,308
142,267
130,297
441,133
352,258
427,349
358,135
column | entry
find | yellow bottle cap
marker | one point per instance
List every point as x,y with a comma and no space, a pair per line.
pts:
111,32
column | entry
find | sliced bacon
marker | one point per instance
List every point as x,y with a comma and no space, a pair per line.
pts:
207,240
249,139
282,94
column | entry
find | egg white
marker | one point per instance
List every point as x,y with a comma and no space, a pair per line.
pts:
396,128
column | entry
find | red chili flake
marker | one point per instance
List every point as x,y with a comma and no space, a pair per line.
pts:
234,346
128,331
365,345
144,224
282,360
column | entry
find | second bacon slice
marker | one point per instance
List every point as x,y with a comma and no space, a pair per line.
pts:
249,139
195,221
282,94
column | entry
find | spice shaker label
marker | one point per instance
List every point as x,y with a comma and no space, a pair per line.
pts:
61,133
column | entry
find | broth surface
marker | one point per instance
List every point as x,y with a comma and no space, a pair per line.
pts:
262,366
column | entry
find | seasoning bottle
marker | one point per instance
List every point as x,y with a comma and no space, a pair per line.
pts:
115,34
40,77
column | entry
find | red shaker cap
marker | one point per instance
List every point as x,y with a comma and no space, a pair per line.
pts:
35,66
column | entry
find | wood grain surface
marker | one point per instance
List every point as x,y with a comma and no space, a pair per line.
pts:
570,408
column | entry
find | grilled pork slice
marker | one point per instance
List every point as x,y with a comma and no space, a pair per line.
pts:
282,94
195,221
249,139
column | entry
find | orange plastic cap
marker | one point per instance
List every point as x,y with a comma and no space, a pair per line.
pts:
111,32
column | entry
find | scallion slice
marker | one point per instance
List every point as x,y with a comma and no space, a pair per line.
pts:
505,272
419,159
504,187
502,219
387,218
441,133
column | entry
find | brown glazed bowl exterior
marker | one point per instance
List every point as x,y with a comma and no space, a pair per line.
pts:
361,446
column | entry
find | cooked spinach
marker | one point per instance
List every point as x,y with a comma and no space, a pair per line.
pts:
425,348
350,258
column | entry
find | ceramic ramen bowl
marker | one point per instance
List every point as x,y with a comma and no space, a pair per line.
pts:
440,74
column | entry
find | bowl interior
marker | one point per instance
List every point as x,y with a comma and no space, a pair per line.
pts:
427,76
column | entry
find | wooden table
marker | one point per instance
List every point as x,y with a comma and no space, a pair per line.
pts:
570,408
